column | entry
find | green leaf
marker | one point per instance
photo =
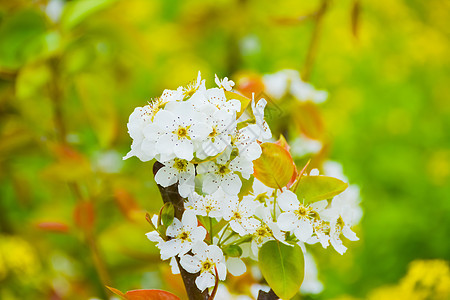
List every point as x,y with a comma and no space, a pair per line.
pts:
167,214
283,267
76,11
315,188
275,167
232,251
21,38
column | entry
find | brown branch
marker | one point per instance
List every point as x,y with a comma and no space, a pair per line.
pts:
314,43
170,194
270,295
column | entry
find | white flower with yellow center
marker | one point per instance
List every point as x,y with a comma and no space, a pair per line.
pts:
340,215
183,236
207,205
175,129
223,172
222,125
245,140
226,84
177,170
240,215
298,217
209,261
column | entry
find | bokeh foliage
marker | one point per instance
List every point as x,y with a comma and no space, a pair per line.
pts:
70,209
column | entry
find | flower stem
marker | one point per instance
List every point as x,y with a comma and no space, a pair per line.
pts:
211,230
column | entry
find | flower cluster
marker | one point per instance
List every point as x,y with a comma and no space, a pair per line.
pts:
208,146
198,133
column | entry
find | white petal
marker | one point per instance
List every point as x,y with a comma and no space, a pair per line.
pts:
190,263
170,249
236,266
175,228
166,176
231,184
287,221
204,281
288,201
348,233
198,234
189,219
174,266
184,149
304,231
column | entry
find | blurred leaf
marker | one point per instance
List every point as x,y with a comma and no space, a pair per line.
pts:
249,84
315,188
76,11
126,202
96,95
70,165
31,80
282,267
274,167
309,120
53,227
84,215
21,37
356,15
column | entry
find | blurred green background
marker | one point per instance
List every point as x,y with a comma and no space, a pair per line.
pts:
71,211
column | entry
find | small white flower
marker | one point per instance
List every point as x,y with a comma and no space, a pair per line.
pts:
207,205
209,261
174,130
222,172
183,236
177,170
297,217
224,83
222,125
240,215
340,216
245,140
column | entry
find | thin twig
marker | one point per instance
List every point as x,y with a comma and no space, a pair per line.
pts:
313,44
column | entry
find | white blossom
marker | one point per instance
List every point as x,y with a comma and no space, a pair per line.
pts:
240,215
297,217
209,261
208,205
224,83
177,170
184,234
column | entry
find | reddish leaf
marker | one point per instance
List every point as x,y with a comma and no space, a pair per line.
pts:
84,215
126,202
275,167
250,84
150,295
309,120
53,227
144,294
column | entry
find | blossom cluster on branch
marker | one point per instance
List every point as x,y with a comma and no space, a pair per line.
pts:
211,143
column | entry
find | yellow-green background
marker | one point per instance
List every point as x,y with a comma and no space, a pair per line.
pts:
388,115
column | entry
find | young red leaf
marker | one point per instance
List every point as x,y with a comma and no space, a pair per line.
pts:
150,295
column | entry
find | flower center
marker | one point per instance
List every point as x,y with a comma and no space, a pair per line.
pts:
213,133
302,212
207,265
180,164
184,236
182,132
237,215
223,169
